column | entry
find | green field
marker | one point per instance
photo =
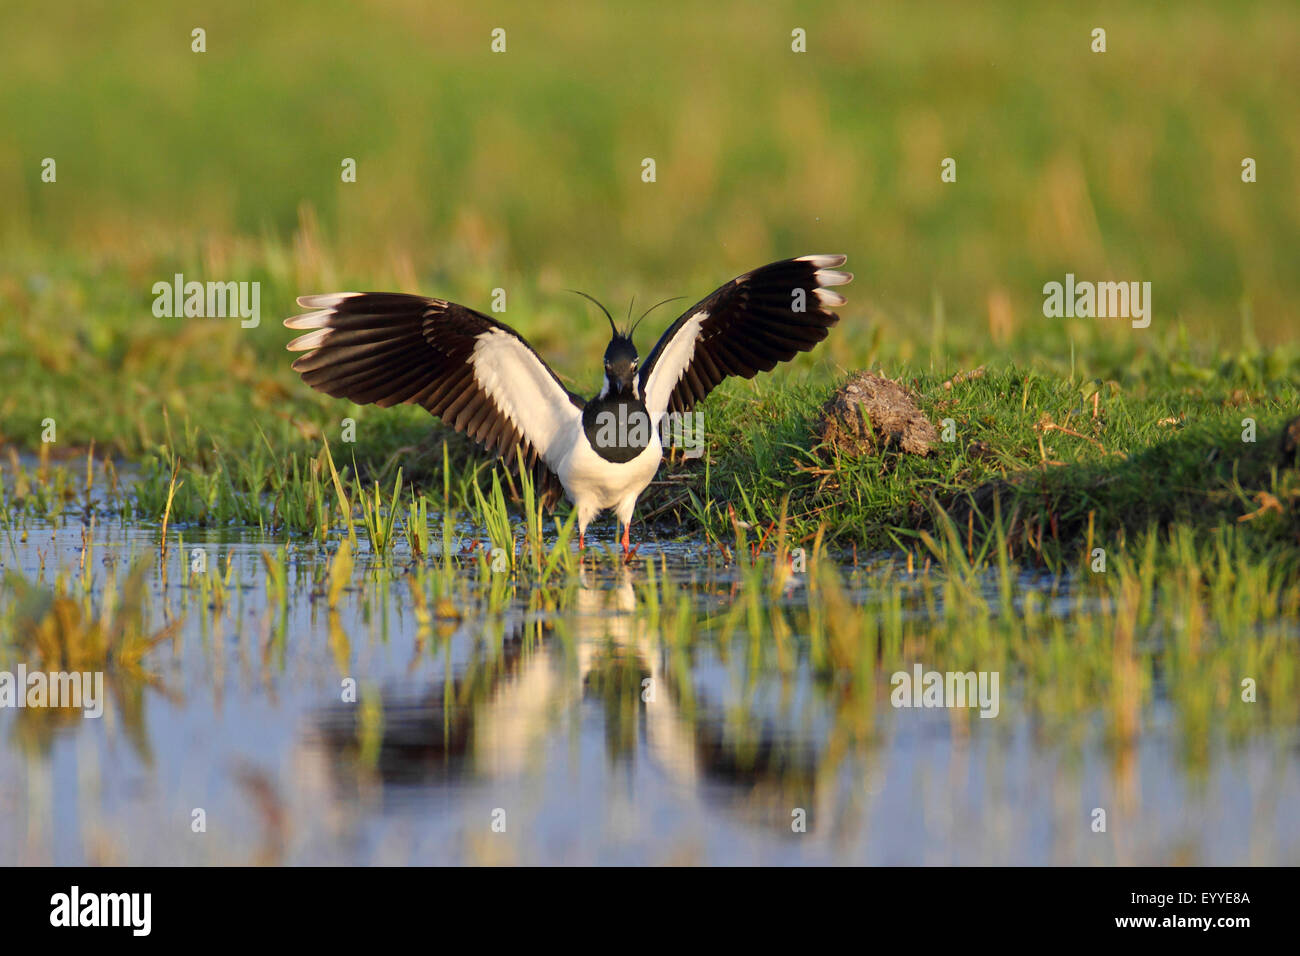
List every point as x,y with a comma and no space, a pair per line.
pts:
522,171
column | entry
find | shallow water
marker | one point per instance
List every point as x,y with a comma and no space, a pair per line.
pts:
564,725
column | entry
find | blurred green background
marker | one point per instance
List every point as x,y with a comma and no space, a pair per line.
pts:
522,170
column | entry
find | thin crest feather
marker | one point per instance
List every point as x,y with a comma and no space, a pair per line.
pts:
625,334
612,327
649,310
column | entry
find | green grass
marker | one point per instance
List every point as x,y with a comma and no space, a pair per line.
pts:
521,171
1164,449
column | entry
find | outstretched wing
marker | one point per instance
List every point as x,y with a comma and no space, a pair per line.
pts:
746,327
476,374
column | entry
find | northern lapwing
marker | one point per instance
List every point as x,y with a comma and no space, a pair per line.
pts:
480,377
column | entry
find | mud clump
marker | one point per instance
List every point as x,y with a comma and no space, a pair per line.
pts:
869,414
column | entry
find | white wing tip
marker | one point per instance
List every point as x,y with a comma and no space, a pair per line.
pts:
824,261
828,298
308,320
327,301
323,308
312,340
828,277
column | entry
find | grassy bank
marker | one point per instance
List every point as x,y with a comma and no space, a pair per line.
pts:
1069,462
522,172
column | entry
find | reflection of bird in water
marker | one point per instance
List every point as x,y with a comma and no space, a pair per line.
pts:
494,717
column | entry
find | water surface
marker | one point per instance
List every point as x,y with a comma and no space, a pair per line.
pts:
581,722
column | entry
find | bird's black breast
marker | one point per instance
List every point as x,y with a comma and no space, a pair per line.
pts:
618,428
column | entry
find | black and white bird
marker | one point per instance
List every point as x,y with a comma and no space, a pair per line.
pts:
480,377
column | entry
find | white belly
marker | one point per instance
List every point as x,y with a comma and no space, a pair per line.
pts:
594,484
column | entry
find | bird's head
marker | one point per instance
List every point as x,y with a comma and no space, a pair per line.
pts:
620,365
620,357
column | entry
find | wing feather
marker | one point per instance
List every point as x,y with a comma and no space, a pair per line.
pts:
476,374
748,326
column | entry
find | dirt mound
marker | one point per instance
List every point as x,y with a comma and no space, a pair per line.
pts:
870,413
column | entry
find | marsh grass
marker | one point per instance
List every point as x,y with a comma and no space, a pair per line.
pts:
1067,471
1180,618
63,628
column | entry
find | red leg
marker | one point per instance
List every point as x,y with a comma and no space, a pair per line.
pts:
626,543
582,541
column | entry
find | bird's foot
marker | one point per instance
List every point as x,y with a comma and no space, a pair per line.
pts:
629,552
